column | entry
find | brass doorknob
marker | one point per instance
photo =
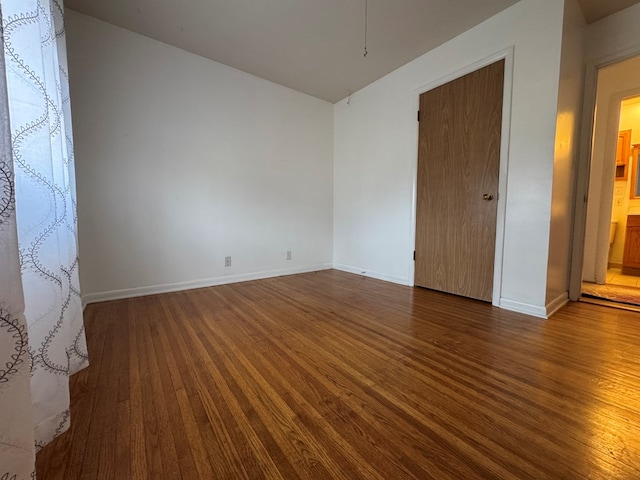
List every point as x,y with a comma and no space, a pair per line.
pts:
487,196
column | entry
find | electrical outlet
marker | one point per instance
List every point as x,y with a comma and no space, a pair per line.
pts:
227,261
288,254
618,202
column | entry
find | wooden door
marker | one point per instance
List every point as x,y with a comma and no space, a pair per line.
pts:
458,167
622,154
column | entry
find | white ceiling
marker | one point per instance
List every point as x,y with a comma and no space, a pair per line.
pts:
313,46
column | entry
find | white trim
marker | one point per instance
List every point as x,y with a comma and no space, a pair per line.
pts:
503,175
606,188
535,310
520,307
582,182
376,275
207,282
508,55
556,304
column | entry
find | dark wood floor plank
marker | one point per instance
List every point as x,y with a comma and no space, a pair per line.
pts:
312,399
233,443
109,404
136,403
333,375
170,428
304,371
160,450
123,435
105,376
191,455
270,410
193,379
274,378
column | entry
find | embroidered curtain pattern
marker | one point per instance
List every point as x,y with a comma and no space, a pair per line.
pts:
41,332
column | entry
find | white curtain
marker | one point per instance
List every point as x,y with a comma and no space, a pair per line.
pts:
39,290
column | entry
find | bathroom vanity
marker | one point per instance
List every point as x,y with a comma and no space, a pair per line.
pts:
631,256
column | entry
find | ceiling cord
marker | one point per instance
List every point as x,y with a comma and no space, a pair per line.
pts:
366,18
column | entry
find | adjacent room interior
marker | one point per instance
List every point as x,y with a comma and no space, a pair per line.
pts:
610,265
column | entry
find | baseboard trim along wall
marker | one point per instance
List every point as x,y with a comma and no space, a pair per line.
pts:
556,304
367,273
535,310
207,282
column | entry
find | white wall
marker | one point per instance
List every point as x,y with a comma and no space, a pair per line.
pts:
566,151
375,148
182,161
614,36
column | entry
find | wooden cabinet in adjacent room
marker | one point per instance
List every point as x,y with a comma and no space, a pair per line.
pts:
631,257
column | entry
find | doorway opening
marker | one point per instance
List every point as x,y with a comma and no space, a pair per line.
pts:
611,263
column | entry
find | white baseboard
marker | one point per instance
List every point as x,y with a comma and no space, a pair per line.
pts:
554,305
207,282
368,273
521,307
536,310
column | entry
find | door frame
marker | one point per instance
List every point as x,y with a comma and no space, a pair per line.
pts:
506,55
584,164
607,184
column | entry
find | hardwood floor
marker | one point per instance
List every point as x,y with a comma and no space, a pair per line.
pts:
332,375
